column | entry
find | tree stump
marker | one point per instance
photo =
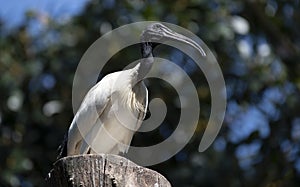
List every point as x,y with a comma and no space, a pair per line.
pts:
102,170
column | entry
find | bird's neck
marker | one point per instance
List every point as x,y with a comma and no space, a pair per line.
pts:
146,49
145,64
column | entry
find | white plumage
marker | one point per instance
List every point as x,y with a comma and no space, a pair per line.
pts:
115,107
109,115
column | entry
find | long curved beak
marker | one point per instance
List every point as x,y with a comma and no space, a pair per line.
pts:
171,35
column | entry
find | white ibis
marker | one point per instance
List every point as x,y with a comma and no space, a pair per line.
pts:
115,107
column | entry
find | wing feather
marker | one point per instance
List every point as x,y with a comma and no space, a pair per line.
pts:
88,121
91,107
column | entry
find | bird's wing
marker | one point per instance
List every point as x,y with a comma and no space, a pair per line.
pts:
92,106
85,147
114,137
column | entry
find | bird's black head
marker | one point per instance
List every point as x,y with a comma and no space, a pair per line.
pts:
157,33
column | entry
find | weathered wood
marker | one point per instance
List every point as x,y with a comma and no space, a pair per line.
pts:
102,170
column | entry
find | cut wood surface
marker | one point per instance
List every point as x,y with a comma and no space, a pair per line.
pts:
102,170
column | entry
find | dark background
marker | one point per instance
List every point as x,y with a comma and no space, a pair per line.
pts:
255,42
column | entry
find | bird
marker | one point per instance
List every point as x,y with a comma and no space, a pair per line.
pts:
114,109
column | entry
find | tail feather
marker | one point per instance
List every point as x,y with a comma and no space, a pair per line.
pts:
62,149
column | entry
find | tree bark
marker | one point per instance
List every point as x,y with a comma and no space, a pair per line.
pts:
102,170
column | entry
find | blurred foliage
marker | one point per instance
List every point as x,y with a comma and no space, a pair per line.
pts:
256,44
